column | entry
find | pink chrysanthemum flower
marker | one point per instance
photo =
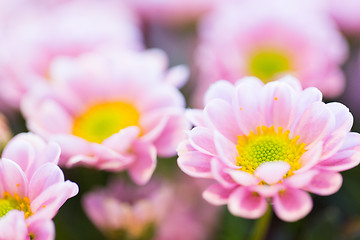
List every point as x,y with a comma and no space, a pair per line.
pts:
32,188
268,40
112,113
158,211
35,35
346,15
269,143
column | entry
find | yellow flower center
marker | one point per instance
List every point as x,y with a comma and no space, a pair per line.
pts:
8,203
269,64
267,145
105,119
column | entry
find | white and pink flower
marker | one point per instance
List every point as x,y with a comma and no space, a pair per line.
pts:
35,35
269,143
113,112
160,210
32,188
268,40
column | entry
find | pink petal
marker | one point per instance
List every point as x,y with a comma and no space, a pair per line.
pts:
277,104
43,229
306,98
45,176
21,152
219,90
12,178
341,161
202,139
195,116
70,146
177,76
292,82
292,204
219,172
325,183
108,159
311,157
13,226
343,118
247,204
226,150
195,164
299,180
246,105
220,114
243,178
314,124
272,172
172,134
47,203
217,194
123,140
143,167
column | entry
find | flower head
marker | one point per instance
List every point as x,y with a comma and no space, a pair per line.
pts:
32,188
112,113
269,40
154,211
269,143
37,35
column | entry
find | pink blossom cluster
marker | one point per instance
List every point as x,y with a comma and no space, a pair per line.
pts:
103,86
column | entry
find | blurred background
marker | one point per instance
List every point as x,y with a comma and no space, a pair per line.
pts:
317,41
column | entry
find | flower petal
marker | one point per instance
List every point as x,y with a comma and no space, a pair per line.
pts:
13,226
143,167
272,172
45,176
202,140
325,183
292,204
12,178
246,203
226,150
217,194
195,164
220,114
219,90
314,123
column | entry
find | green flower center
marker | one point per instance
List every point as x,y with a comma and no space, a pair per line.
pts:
269,64
105,119
9,203
268,145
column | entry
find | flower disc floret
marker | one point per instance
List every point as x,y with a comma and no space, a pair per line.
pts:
102,120
8,203
267,145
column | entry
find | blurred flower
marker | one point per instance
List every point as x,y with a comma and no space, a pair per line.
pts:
172,13
5,132
268,40
158,210
271,143
32,188
112,112
35,35
346,14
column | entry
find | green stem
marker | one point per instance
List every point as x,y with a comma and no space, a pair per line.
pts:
261,226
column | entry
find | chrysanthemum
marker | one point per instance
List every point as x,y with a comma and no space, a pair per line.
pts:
160,210
112,113
269,143
32,188
269,40
35,35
